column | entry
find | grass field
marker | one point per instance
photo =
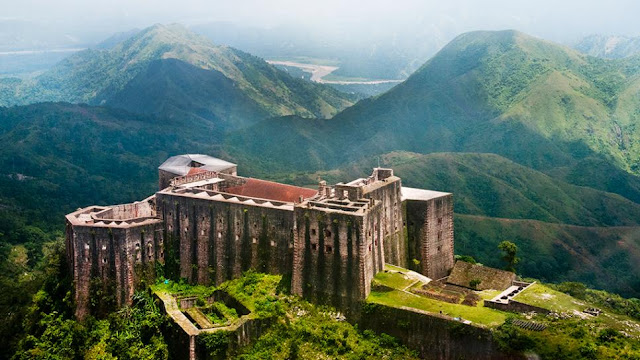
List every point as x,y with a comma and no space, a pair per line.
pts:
547,298
396,279
476,314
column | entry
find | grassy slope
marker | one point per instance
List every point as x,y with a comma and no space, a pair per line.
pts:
568,337
299,329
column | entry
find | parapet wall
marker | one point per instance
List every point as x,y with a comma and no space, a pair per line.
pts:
214,241
142,209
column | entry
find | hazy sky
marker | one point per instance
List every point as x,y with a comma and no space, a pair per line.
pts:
553,19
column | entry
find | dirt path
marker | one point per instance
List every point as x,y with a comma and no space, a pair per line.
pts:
318,72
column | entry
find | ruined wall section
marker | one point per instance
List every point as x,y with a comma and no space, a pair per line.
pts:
209,242
430,235
110,262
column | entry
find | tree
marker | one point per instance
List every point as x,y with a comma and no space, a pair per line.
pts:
474,283
510,251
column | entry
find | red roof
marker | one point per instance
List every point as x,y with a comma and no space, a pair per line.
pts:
271,190
196,170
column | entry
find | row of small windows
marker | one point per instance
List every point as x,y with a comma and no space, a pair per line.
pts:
327,232
327,248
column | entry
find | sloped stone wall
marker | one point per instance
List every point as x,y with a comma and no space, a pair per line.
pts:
431,335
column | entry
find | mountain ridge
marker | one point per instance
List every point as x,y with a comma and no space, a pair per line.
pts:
537,103
97,76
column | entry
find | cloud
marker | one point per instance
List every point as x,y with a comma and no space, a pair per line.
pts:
548,18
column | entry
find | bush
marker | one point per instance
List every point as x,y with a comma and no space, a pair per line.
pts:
579,333
474,283
588,351
214,343
466,258
512,339
608,335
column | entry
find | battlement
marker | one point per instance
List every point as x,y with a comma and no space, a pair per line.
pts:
120,216
226,197
193,178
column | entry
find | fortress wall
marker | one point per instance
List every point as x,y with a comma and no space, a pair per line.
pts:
391,221
430,235
328,265
214,241
373,255
164,179
109,263
336,255
133,210
433,336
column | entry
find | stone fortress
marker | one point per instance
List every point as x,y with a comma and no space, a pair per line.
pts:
207,225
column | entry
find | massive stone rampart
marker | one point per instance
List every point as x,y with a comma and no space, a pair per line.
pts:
207,227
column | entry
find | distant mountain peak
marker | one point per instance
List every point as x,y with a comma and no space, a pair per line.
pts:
171,71
609,46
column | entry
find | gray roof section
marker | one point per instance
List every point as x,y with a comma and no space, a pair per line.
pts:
180,164
421,194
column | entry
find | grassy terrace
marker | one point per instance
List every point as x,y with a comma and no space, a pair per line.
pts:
396,280
570,335
476,314
547,298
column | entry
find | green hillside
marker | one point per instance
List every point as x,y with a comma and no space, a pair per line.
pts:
603,257
221,82
490,185
537,103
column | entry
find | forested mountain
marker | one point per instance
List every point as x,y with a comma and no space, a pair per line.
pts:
169,71
57,157
537,103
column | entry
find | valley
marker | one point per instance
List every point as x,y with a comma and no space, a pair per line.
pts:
319,72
